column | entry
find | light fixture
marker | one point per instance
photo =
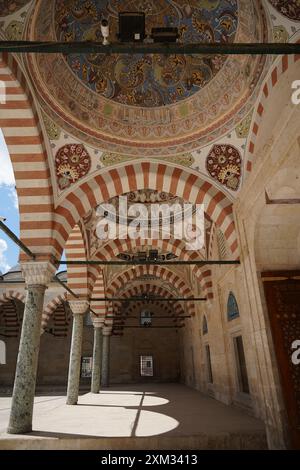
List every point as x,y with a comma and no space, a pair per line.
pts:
105,31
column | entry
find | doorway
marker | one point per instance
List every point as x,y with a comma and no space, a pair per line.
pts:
283,302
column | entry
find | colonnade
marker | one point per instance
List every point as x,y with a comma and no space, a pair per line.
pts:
37,277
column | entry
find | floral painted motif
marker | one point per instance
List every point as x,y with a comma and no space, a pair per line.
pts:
223,163
109,159
288,8
280,34
242,130
72,162
14,30
53,131
147,80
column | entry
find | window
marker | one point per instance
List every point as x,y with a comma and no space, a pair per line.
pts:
86,367
241,364
146,366
204,326
146,318
232,307
210,378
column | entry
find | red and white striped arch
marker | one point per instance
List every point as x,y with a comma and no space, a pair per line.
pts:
10,295
280,67
114,247
99,291
184,183
51,307
165,307
162,273
152,289
77,275
23,135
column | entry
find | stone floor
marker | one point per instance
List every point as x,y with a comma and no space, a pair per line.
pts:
158,416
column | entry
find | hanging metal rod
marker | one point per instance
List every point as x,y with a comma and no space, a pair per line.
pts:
88,47
120,328
141,298
145,263
56,278
16,240
153,317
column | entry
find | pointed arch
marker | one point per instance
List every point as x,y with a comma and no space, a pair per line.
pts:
282,65
12,312
51,307
232,307
10,295
152,289
112,182
23,135
161,273
114,247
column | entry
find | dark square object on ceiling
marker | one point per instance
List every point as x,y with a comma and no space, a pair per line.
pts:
131,26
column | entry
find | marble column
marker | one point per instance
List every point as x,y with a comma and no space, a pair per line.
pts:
79,308
37,276
106,332
97,353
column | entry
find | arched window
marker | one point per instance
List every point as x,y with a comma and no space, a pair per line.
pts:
232,307
204,326
146,318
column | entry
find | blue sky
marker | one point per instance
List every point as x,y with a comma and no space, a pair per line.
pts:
9,252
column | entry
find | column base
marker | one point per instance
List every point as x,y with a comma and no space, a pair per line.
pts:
20,430
71,402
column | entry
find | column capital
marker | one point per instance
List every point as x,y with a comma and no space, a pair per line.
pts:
79,307
107,330
38,272
98,322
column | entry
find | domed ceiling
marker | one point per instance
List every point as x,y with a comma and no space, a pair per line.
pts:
160,104
147,80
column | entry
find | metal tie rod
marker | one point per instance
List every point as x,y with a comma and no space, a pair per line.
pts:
145,262
16,240
120,328
140,298
88,47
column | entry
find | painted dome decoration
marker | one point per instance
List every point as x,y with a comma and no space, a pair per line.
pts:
147,104
147,80
288,8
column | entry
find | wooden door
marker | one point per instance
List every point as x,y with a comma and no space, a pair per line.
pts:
283,301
